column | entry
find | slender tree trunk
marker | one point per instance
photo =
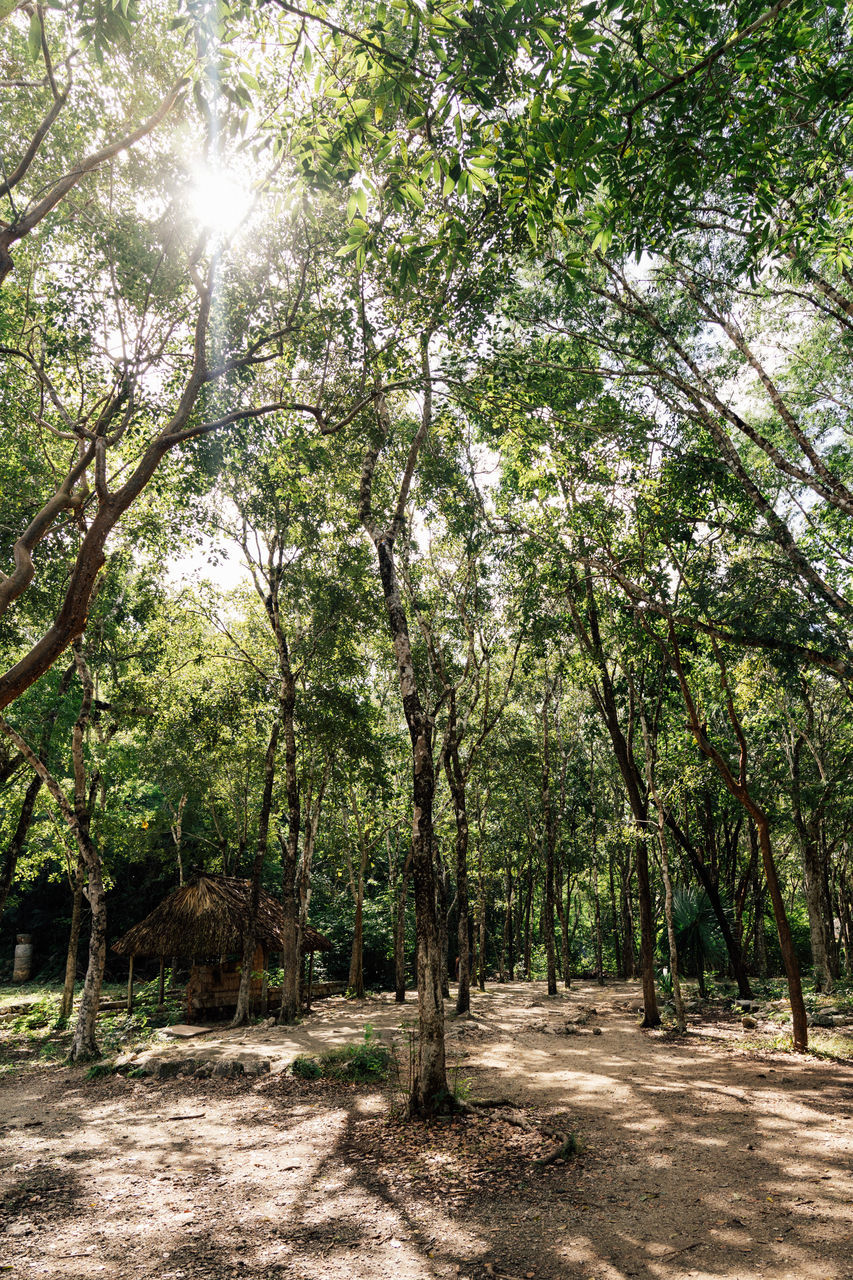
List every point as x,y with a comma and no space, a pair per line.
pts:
84,1046
786,941
618,953
290,958
708,882
313,809
813,872
596,901
628,953
738,788
828,908
243,1010
604,698
429,1087
356,965
508,930
566,950
77,884
549,836
429,1084
813,892
651,1017
481,930
400,934
846,916
678,999
480,921
760,939
527,918
456,782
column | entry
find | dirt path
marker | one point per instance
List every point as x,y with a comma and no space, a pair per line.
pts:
697,1161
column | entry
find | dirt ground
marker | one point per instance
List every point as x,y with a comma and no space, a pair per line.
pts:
697,1159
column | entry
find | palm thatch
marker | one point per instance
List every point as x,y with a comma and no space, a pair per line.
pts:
208,917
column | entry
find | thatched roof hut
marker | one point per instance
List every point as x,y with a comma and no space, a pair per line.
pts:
208,917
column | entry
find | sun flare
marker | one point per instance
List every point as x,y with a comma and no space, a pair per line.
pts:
218,201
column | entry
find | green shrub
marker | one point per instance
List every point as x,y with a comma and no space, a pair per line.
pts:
100,1069
306,1068
363,1063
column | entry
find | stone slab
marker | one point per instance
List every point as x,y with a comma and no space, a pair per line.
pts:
182,1031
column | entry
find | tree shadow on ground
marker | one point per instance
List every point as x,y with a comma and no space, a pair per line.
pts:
694,1162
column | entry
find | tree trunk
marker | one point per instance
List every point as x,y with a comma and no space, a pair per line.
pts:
549,836
808,830
651,1016
596,901
313,809
706,878
442,912
813,889
628,955
73,941
456,781
356,966
760,939
566,954
527,915
786,942
243,1010
84,1046
618,954
290,958
78,816
508,930
480,920
429,1086
845,915
678,999
400,934
738,788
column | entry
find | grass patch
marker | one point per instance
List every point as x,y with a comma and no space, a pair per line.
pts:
352,1063
42,1013
838,1048
98,1070
832,1048
306,1068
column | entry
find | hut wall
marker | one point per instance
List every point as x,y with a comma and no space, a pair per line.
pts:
213,988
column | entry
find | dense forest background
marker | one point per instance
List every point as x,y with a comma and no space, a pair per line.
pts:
424,484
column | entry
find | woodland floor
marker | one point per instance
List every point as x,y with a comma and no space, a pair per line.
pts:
699,1158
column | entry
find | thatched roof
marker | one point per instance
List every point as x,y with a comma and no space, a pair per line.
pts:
208,917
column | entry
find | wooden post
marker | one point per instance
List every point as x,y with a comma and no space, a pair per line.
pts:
130,986
161,992
310,975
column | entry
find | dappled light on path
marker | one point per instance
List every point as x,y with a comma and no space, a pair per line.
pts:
696,1161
